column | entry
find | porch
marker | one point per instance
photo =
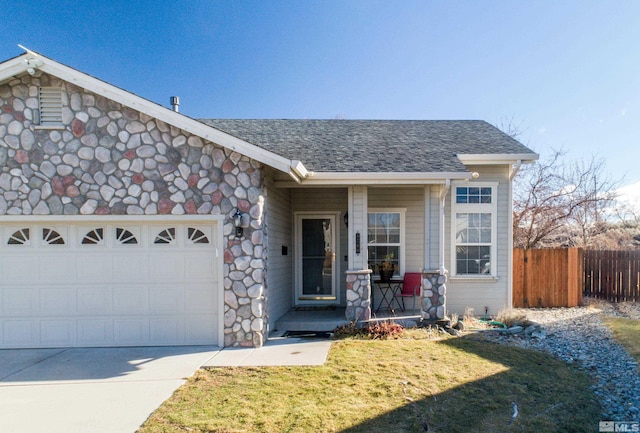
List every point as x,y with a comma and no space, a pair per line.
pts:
327,241
327,319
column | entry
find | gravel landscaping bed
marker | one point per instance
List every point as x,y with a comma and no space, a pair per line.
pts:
577,335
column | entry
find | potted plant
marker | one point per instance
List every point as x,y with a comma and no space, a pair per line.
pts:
387,268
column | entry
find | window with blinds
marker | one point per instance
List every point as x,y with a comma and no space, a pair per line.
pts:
50,106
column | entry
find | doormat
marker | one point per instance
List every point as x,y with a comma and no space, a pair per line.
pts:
317,308
307,334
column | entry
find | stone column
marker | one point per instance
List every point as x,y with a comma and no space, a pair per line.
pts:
433,295
358,295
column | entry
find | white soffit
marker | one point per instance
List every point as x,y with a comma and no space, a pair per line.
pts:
496,158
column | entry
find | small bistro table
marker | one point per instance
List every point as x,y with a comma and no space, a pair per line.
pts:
388,291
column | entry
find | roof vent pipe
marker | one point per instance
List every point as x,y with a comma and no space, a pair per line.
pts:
175,103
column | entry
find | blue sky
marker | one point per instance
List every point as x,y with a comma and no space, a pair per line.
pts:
567,72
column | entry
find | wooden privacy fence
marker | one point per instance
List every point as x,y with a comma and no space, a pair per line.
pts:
612,275
548,277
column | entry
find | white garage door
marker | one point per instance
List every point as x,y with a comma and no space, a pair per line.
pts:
108,284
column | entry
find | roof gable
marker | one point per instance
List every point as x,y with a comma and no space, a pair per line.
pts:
31,61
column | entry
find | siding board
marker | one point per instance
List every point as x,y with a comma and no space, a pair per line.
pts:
279,266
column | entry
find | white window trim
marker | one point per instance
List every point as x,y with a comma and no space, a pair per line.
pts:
403,228
475,208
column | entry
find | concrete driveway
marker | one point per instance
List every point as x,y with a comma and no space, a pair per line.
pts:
90,390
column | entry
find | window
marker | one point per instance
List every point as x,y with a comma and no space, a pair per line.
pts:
20,237
474,230
52,237
50,106
167,236
473,194
94,237
385,235
196,236
125,237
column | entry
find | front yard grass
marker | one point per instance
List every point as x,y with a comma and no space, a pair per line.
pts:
403,385
627,332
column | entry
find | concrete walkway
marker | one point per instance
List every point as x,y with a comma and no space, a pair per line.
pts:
277,351
116,389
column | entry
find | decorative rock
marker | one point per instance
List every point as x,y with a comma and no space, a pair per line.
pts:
86,153
165,206
77,127
22,157
64,170
89,207
72,191
578,336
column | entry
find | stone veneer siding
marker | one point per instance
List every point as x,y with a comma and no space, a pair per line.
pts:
108,159
433,295
358,295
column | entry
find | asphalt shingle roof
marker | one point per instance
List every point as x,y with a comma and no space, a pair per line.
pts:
374,145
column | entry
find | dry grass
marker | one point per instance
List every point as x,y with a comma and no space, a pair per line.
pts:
627,332
398,385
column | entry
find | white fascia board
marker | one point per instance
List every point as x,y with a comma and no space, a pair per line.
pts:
299,169
28,219
395,178
496,158
13,67
19,65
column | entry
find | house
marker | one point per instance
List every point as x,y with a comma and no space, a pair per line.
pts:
123,222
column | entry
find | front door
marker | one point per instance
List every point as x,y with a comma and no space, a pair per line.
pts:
316,259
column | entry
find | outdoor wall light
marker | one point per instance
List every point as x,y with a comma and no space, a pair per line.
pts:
346,219
237,222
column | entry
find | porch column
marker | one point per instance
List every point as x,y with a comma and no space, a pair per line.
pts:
358,275
358,295
433,295
357,208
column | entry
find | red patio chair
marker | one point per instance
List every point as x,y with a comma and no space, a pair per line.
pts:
410,288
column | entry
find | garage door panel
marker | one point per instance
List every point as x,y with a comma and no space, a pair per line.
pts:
93,267
199,328
108,284
131,300
20,301
20,333
96,332
164,330
167,267
131,331
60,267
132,268
61,332
199,299
58,301
166,299
95,301
200,266
18,267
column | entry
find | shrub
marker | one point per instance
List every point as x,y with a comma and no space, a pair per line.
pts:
385,330
373,331
511,318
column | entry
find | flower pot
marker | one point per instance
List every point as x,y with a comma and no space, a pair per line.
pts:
386,274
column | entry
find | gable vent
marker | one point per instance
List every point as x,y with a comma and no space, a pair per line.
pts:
50,106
